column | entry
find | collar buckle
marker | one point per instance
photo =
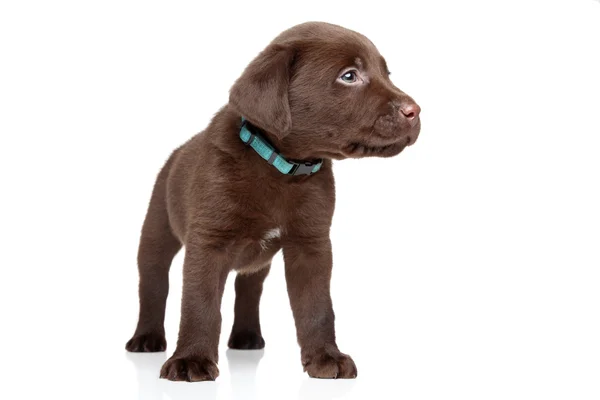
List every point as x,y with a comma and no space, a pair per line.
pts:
304,168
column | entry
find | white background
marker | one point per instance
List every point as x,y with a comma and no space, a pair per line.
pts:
468,267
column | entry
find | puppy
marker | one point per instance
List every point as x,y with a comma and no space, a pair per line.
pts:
259,179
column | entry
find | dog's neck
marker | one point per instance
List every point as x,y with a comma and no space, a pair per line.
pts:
254,138
223,133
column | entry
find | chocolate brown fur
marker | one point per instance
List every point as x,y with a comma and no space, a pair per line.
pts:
216,197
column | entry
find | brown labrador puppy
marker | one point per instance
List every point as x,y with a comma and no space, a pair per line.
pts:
239,192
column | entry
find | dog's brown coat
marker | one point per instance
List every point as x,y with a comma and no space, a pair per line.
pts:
217,197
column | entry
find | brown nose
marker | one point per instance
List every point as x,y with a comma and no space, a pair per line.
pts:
411,112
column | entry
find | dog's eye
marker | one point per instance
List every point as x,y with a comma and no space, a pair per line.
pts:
349,77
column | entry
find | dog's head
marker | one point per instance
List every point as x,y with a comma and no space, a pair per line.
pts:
323,91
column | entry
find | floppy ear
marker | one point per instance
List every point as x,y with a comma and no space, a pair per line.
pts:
261,93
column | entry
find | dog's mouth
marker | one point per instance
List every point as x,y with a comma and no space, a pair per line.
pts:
361,149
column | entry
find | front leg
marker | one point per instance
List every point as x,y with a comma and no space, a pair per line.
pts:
195,358
308,264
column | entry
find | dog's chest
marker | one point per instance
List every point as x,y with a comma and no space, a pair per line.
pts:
258,252
268,236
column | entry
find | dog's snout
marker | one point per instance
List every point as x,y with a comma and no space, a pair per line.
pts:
411,111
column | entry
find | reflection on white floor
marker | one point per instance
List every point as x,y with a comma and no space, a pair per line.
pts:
242,367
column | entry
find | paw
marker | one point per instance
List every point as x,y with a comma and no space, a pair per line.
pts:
147,343
330,365
246,340
189,369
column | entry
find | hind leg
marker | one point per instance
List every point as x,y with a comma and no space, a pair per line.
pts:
154,260
246,333
157,248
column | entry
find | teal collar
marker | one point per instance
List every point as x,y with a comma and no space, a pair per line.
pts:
250,136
